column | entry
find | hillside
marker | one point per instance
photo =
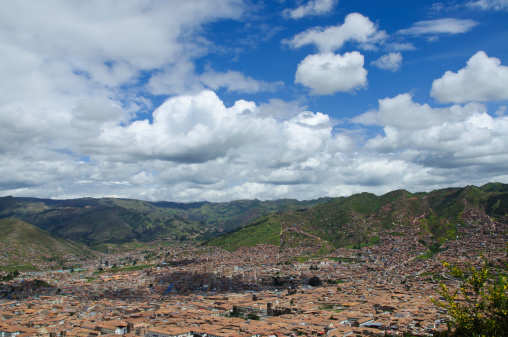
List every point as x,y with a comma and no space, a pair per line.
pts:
360,218
109,220
25,245
321,224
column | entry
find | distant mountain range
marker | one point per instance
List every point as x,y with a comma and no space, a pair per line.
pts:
109,220
329,222
358,219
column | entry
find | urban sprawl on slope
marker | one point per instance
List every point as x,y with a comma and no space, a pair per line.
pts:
192,290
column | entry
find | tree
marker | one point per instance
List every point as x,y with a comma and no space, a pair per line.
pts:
235,312
483,309
315,281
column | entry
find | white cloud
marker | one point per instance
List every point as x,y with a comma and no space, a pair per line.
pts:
445,139
195,129
440,26
235,81
311,8
391,61
496,5
402,113
356,27
70,104
328,73
483,79
59,51
196,148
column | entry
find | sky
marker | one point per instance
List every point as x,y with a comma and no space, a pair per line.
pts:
223,100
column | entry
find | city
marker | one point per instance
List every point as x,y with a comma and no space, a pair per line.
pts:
189,290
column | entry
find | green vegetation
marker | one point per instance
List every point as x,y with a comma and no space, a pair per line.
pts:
315,281
40,283
370,241
9,277
17,266
343,259
335,281
484,308
434,248
253,317
24,245
322,225
264,231
354,222
24,234
100,223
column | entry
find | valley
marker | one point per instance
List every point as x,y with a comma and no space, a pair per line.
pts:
361,265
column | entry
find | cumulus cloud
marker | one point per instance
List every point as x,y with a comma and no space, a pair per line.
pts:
483,79
356,28
464,137
311,8
194,143
496,5
328,73
391,61
197,148
440,26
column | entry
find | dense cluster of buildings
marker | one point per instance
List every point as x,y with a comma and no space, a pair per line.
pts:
384,289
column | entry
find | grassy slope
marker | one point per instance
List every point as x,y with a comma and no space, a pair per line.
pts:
24,234
266,230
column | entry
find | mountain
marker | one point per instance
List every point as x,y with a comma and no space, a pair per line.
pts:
109,220
25,245
325,223
358,219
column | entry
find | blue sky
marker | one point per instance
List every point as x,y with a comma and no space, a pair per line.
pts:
234,99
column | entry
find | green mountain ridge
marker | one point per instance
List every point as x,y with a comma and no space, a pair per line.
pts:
110,220
359,219
327,223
